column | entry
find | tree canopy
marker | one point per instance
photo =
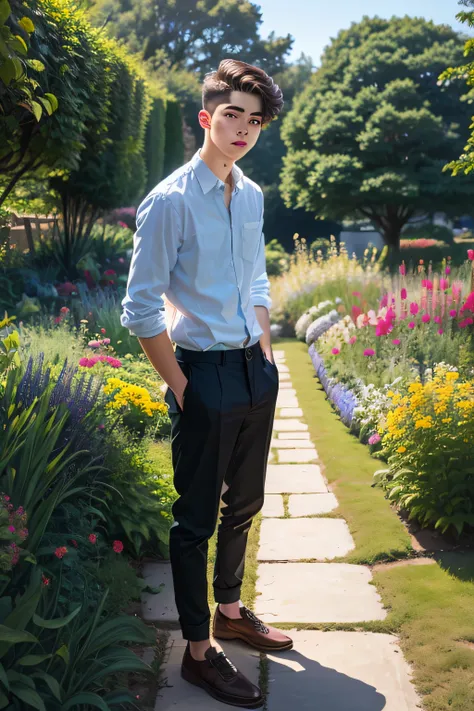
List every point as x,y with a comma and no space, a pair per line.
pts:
370,135
194,35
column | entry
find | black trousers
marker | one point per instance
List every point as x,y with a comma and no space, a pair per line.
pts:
221,435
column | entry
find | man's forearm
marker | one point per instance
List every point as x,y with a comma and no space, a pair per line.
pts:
263,318
160,353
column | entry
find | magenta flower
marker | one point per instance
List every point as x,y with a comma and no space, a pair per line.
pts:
84,362
447,270
470,255
396,341
100,427
352,340
411,324
443,284
414,308
453,313
384,301
402,269
356,293
426,318
375,438
369,352
105,341
437,319
12,529
403,294
440,331
335,351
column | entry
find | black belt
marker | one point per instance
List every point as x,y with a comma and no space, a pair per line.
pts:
218,357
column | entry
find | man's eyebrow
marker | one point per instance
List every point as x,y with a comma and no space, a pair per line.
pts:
242,111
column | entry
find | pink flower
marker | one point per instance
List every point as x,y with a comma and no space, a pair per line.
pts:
7,498
469,321
102,330
402,269
106,341
45,581
64,310
469,303
470,255
437,319
60,552
396,341
447,270
12,529
356,312
100,427
58,319
427,284
369,352
426,318
84,362
114,362
414,308
383,327
356,293
118,546
74,542
335,351
121,260
411,324
110,272
403,294
352,340
453,313
94,344
375,438
384,301
440,331
443,284
92,538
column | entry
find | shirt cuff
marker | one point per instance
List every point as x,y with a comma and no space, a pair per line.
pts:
149,327
261,300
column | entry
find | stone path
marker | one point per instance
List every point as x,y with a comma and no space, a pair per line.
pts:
301,580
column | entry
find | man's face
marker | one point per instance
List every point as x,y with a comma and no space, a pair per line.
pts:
236,124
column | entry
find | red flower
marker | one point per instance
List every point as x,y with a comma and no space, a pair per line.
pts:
46,581
57,319
92,538
64,310
110,272
102,330
118,546
470,255
60,552
74,542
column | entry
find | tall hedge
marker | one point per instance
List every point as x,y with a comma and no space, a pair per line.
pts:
174,142
155,142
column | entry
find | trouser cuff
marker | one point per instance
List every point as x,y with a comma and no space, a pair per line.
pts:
226,597
196,633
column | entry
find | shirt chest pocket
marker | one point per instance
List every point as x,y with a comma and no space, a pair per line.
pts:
250,238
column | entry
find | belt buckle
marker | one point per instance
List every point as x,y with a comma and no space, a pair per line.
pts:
248,353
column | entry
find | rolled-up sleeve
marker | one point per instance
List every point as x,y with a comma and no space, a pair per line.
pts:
260,289
155,252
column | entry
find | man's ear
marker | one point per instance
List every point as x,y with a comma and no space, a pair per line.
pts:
204,118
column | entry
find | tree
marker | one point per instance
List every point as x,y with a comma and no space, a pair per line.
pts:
465,162
194,35
371,134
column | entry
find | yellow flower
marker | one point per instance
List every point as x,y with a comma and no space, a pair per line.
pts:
400,450
452,375
446,420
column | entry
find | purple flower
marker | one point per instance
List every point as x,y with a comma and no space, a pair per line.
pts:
375,438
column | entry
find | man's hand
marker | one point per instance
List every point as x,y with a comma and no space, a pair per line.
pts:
263,317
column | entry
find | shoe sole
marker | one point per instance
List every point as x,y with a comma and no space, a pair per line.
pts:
187,676
259,647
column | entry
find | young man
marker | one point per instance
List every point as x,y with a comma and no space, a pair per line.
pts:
199,241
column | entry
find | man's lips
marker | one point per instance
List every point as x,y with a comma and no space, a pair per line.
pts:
239,143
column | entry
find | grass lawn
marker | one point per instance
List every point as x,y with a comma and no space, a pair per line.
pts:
431,607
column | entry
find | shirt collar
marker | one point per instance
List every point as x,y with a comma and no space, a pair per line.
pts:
207,179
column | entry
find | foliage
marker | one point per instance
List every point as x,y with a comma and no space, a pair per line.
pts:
440,233
276,257
427,436
139,411
174,146
371,132
195,35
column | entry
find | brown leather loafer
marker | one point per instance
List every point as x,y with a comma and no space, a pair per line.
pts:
221,679
249,629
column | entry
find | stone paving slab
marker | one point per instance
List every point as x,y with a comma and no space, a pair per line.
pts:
160,607
278,443
291,412
289,392
285,385
282,367
311,504
316,592
286,401
279,354
273,506
301,538
341,671
291,456
289,425
179,695
284,376
295,479
293,435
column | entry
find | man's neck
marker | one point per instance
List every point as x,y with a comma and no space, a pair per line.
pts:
216,161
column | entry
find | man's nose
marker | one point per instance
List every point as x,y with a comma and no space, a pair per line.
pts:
243,131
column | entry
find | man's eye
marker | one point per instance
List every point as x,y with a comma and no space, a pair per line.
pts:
256,122
232,115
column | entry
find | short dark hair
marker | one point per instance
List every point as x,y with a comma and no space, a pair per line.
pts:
233,75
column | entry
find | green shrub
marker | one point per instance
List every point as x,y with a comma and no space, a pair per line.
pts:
276,257
440,233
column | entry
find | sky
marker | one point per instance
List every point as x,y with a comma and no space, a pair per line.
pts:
314,22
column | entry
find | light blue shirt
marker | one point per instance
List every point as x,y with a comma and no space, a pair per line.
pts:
209,261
